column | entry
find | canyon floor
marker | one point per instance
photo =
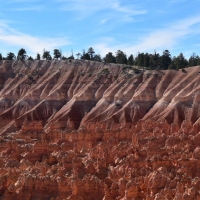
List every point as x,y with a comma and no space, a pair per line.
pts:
85,130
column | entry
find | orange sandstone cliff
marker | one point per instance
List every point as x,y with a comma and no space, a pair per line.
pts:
87,130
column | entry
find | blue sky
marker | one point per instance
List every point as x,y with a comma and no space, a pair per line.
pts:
106,25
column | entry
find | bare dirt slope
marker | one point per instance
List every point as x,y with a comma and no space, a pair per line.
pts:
82,130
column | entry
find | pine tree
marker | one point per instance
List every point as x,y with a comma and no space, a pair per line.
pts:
91,52
97,58
109,58
21,54
193,60
146,60
10,56
121,57
85,56
130,60
140,59
38,56
180,61
46,55
56,54
154,62
30,58
172,65
165,59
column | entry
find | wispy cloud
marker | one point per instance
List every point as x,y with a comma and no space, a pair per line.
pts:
182,1
23,1
103,21
31,8
177,1
157,40
86,8
9,36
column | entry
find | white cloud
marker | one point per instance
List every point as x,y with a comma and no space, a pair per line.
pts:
9,36
103,21
182,1
86,8
23,1
31,8
177,1
157,40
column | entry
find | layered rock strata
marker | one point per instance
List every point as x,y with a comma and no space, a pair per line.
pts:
68,94
86,130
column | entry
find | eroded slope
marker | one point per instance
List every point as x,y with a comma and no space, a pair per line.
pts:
87,130
69,94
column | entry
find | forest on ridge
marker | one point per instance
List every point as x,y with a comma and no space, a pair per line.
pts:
145,60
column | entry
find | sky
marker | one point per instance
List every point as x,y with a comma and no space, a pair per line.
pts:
131,26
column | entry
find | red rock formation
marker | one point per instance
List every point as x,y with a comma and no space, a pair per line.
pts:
87,130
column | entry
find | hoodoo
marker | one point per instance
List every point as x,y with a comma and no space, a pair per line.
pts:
77,129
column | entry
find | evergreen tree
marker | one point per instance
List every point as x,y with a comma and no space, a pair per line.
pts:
85,56
91,52
1,58
21,54
10,56
151,62
29,58
121,57
56,54
146,60
165,59
136,59
46,55
180,61
97,58
109,58
156,58
172,64
140,59
130,60
193,60
38,56
154,62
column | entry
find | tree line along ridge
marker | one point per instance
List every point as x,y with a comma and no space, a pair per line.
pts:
145,60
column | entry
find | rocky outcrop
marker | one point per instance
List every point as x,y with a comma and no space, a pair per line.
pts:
87,130
69,94
148,161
